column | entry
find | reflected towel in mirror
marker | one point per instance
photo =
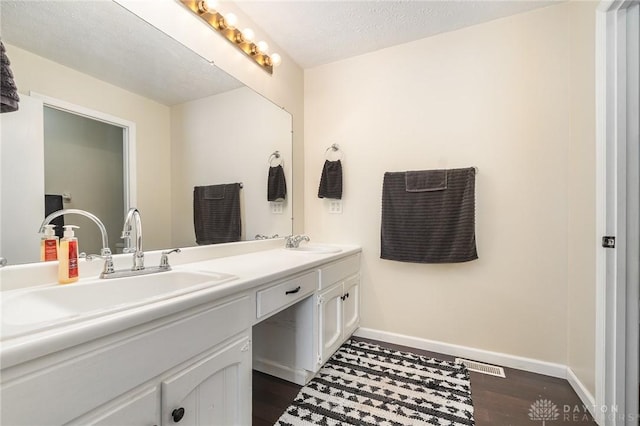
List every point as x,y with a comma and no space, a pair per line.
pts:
276,184
216,213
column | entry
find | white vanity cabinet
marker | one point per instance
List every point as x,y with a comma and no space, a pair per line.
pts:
294,343
212,391
338,307
198,360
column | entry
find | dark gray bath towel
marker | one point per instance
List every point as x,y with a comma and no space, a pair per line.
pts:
276,184
216,213
429,216
331,180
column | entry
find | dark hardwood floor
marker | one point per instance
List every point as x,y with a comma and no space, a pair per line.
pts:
496,401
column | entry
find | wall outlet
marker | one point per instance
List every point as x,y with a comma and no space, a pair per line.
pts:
277,208
335,206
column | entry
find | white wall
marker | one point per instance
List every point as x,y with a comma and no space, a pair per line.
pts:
224,139
495,96
581,180
34,73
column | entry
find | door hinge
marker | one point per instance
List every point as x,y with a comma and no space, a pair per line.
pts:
609,241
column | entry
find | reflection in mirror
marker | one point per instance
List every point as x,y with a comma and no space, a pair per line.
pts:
194,125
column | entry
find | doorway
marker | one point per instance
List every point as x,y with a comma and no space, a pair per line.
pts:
618,217
84,169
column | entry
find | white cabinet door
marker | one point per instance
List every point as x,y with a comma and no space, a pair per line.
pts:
136,409
351,306
213,391
330,321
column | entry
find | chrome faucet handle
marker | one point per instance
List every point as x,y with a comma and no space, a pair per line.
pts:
164,259
293,241
108,268
3,261
289,241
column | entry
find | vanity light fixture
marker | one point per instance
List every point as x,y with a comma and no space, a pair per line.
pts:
243,40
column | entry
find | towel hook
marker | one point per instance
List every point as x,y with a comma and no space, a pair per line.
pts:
276,156
334,148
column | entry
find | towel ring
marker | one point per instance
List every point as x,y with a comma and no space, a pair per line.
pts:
276,156
334,148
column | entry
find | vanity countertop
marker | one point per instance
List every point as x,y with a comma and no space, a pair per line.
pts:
251,269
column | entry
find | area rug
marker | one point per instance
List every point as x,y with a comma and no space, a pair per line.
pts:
366,384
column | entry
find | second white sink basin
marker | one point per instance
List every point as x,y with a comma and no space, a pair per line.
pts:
85,299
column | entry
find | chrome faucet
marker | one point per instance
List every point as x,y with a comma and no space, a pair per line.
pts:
133,216
293,241
105,251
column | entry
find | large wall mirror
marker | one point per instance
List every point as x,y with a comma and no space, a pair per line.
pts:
191,125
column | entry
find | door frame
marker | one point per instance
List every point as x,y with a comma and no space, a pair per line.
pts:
128,140
616,351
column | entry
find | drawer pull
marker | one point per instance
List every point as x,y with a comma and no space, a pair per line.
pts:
177,414
294,291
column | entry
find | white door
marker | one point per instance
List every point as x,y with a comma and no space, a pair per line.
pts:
351,306
214,391
330,320
22,177
618,158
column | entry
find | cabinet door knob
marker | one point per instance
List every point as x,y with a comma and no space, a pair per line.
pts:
294,291
177,414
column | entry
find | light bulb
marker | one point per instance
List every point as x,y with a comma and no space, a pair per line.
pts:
263,47
205,6
231,19
276,59
248,34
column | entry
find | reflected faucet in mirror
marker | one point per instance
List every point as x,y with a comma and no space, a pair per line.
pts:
133,216
105,251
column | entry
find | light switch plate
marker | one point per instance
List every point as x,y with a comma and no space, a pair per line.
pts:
276,207
335,206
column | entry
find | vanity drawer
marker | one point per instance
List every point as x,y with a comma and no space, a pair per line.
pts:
280,295
339,270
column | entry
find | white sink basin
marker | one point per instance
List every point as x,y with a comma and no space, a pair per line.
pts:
52,305
313,248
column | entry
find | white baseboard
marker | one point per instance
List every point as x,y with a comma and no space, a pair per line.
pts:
585,396
496,358
297,376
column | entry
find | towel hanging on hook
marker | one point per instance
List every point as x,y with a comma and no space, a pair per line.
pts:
276,182
331,177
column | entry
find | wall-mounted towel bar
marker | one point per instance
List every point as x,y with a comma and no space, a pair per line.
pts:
279,161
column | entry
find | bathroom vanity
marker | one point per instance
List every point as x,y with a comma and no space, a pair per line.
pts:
185,353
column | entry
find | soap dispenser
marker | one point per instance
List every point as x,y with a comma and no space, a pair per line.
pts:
68,256
49,244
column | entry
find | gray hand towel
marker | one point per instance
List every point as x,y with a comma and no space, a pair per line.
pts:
9,98
276,184
429,226
331,180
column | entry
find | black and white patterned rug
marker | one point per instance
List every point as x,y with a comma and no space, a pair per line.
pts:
366,384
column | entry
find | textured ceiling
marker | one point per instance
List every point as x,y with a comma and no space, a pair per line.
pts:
104,40
318,32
